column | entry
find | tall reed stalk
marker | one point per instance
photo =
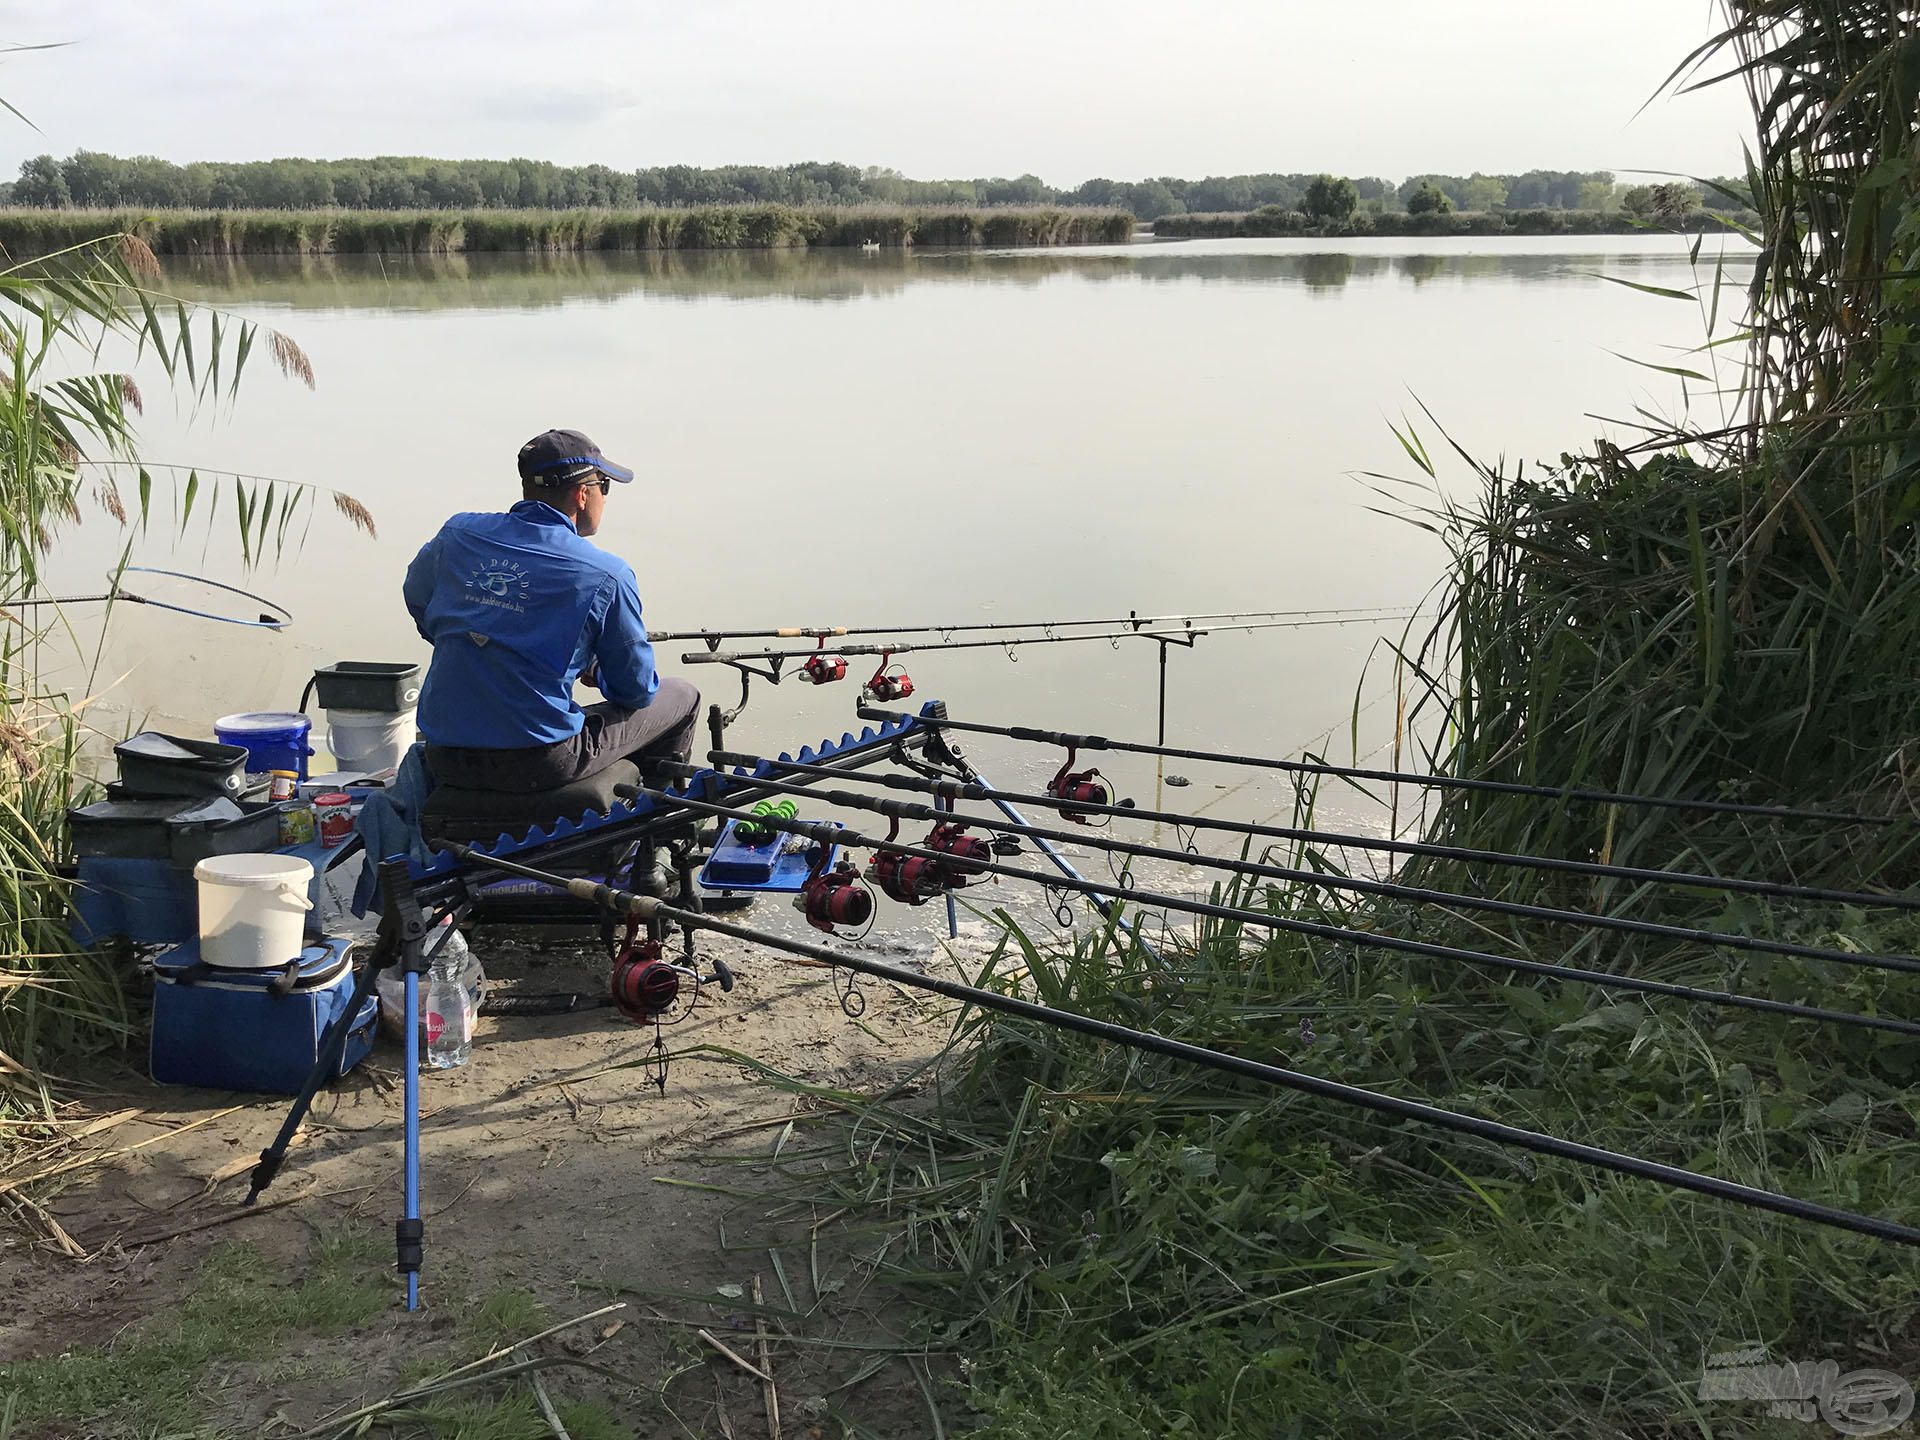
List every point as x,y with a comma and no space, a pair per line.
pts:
68,441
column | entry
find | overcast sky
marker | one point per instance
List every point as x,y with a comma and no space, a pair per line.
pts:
1066,89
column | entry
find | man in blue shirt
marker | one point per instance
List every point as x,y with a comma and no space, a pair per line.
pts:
518,606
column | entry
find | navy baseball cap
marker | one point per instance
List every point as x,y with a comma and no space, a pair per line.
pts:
558,456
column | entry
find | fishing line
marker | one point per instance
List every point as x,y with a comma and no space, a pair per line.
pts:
1333,839
1386,889
1417,1111
832,834
278,621
1445,782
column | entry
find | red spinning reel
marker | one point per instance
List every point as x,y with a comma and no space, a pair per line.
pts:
968,855
821,668
915,879
1086,787
645,987
883,688
834,897
910,879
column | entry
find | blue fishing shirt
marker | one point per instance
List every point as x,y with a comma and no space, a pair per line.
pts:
515,605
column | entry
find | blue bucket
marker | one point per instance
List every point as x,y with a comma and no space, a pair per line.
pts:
273,739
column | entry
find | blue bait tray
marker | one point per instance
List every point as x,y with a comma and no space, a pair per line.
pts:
736,865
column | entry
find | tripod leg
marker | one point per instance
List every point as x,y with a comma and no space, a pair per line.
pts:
332,1044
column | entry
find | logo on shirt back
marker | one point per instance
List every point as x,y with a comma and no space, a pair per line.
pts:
502,583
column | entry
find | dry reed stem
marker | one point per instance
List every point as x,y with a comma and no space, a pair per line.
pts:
544,1400
768,1390
735,1357
12,1186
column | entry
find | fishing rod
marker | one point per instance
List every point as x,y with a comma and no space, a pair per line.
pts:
1334,839
1443,782
712,638
1184,636
944,861
647,908
277,621
903,810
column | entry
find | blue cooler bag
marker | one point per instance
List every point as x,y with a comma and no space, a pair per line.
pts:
258,1030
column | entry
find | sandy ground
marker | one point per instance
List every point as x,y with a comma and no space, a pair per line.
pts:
546,1167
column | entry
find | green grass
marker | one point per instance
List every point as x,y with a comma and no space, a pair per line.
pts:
153,1379
516,1418
506,1314
438,232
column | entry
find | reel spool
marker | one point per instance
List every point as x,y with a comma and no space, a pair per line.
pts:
835,897
645,987
1087,787
821,668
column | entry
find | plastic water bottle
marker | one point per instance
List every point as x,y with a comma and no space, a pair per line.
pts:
452,1002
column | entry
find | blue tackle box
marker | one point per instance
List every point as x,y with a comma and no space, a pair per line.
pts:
254,1030
777,865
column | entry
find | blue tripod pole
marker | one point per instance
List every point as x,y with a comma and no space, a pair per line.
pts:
409,1233
403,912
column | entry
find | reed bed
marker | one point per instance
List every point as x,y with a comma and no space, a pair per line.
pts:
442,232
1274,220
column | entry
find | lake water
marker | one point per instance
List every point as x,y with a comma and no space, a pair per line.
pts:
902,438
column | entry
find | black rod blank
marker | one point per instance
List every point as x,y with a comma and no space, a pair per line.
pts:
1144,1040
1137,621
730,657
1386,889
1334,839
836,834
1402,777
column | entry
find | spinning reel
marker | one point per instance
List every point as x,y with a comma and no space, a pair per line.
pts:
821,668
884,689
1086,787
915,879
835,897
646,986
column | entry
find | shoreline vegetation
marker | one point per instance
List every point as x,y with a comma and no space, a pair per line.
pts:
1277,222
31,231
26,233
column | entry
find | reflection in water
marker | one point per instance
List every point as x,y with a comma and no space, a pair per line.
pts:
1329,272
529,282
1421,268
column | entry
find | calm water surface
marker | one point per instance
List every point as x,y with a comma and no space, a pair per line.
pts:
842,438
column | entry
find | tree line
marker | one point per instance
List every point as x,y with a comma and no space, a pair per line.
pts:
91,178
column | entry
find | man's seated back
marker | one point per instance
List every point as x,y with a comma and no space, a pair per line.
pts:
518,606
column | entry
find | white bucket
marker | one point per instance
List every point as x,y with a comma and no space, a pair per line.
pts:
369,741
253,909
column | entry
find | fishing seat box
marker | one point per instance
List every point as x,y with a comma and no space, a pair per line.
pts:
254,1030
